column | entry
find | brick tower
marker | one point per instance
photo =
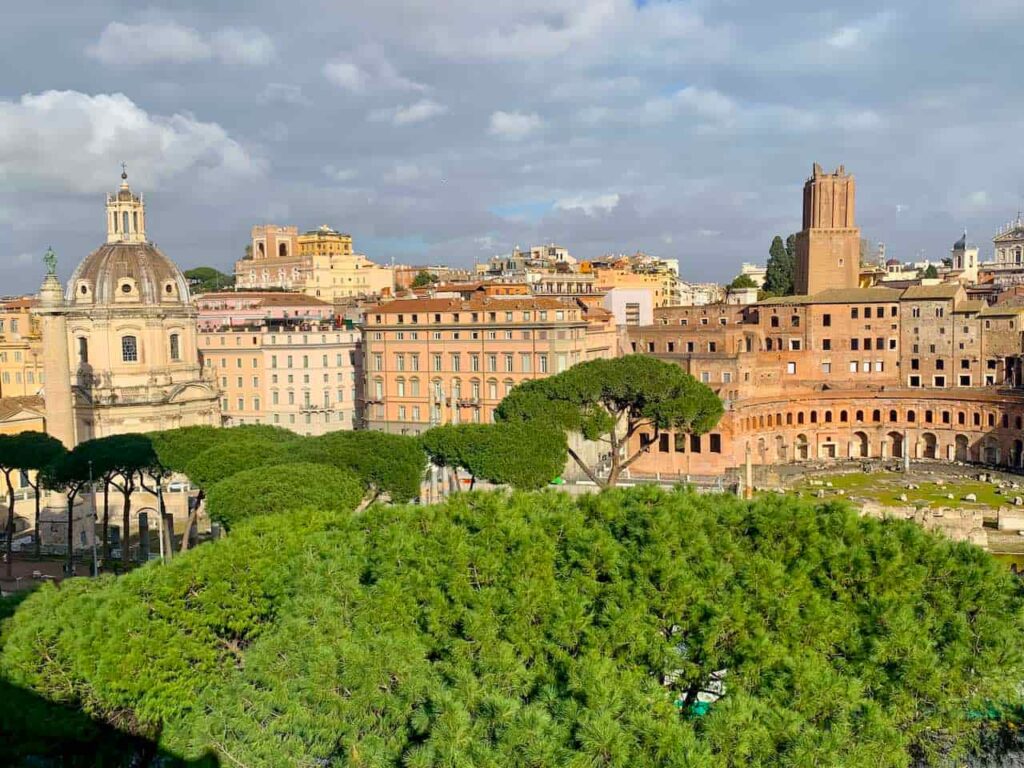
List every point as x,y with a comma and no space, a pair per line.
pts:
828,247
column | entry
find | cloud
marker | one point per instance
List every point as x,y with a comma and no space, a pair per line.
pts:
346,74
169,42
403,174
367,68
244,46
589,205
703,102
122,44
424,109
514,126
73,141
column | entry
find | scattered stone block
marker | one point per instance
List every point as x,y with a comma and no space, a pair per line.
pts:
971,497
903,497
949,496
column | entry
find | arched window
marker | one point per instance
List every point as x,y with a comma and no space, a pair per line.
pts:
828,417
135,221
800,418
175,347
876,416
124,222
814,417
282,250
789,419
129,349
893,417
83,350
911,416
859,416
844,417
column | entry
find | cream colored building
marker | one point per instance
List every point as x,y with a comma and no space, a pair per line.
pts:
301,376
120,343
320,263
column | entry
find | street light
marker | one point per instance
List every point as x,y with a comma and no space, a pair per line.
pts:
95,562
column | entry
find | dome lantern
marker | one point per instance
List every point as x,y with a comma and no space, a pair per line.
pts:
126,214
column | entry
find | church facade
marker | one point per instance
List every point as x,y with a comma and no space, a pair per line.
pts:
120,339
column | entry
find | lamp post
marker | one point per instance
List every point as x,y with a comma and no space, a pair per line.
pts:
92,488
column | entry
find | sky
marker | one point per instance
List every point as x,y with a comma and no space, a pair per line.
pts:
450,131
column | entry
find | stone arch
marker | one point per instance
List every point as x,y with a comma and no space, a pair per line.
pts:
780,448
963,448
1016,453
802,448
860,445
893,417
896,443
990,451
929,446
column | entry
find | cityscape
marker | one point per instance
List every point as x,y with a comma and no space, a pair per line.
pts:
718,470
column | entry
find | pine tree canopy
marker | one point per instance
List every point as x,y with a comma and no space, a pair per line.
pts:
638,628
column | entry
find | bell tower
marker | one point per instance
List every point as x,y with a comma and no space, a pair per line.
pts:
126,214
828,247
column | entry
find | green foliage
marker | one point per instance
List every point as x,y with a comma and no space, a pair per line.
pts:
386,464
537,630
600,397
423,279
177,447
221,453
231,457
509,453
930,272
742,281
781,267
209,279
283,488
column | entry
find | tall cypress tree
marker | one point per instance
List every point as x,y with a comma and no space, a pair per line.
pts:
778,279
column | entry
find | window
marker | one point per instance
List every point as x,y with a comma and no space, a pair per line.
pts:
436,361
715,443
705,377
853,366
915,381
83,348
854,313
775,321
826,320
175,347
965,381
826,367
129,349
791,368
855,344
826,345
794,345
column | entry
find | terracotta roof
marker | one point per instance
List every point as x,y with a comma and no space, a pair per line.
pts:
785,300
495,303
855,295
9,406
945,291
969,305
265,298
1002,310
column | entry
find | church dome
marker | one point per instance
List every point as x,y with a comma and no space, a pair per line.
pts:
127,273
128,269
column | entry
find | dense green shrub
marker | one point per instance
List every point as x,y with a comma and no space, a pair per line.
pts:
391,465
283,488
538,630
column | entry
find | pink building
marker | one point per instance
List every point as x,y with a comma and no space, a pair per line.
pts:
253,308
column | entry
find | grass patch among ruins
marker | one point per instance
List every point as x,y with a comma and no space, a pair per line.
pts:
887,488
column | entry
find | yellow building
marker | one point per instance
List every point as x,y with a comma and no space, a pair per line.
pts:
663,285
336,272
21,363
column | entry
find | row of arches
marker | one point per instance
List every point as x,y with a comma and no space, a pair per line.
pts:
980,418
892,444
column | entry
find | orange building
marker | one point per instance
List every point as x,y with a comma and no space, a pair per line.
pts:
452,360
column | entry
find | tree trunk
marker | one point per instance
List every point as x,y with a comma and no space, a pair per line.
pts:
188,528
106,521
10,523
38,488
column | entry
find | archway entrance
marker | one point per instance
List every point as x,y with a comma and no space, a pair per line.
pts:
1016,453
860,445
780,448
990,452
962,448
931,446
801,448
896,441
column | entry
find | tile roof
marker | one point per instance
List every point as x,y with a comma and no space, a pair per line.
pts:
1002,311
855,295
9,406
494,303
945,291
969,305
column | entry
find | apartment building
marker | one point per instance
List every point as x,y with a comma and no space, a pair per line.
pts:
436,361
21,360
305,377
